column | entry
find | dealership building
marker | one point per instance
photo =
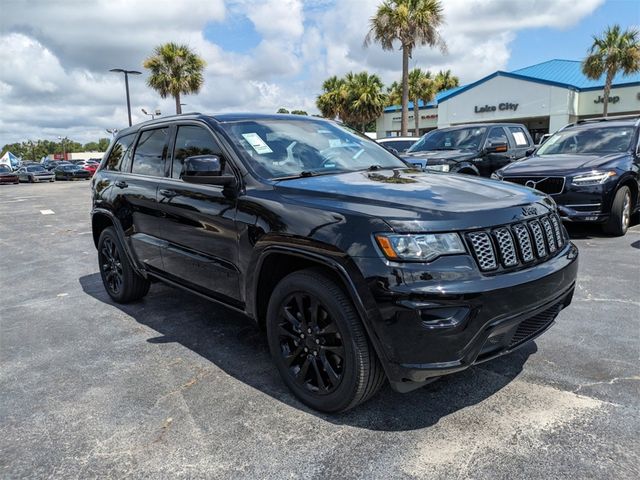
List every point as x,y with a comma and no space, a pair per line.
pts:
544,97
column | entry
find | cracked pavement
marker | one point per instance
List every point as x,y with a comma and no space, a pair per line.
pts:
176,387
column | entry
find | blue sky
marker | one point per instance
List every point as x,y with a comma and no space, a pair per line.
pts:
261,54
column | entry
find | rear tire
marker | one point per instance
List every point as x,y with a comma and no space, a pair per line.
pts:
620,216
120,280
319,344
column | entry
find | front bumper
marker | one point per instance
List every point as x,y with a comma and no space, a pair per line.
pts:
585,204
432,324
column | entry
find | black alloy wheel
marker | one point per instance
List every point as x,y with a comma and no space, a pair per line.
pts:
122,282
310,344
111,266
319,343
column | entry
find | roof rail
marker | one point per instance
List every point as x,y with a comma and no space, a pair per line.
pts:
603,119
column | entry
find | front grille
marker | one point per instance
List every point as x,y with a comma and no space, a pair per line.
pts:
549,185
531,327
511,246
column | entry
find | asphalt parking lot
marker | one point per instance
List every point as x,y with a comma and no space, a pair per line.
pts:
174,386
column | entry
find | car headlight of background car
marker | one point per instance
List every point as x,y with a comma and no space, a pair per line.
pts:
595,177
443,167
419,247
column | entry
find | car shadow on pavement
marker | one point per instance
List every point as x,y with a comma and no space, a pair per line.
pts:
236,345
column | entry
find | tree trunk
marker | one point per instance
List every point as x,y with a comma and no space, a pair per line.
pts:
404,122
178,106
416,117
607,91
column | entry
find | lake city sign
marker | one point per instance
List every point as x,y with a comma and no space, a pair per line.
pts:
493,108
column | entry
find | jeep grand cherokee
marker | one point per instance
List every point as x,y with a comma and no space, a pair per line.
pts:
360,268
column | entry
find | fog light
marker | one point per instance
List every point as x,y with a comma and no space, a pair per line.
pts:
447,317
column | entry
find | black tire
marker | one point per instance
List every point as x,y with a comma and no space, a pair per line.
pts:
30,179
120,280
620,216
340,368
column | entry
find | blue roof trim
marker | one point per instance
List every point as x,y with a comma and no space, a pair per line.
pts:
440,96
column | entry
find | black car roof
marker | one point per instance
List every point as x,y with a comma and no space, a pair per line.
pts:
630,121
488,124
220,118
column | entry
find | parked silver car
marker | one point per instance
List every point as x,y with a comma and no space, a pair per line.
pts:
35,173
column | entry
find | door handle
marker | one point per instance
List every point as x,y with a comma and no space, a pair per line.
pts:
121,184
168,193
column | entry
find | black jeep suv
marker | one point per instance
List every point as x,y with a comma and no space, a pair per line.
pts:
590,168
478,149
359,267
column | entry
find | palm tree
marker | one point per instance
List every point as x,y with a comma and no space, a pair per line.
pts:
331,101
411,23
364,100
421,87
613,51
394,94
175,70
445,80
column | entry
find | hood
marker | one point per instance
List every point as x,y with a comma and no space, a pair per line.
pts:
406,199
439,155
561,164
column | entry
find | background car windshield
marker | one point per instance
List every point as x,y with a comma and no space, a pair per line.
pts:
35,169
284,148
588,141
4,169
459,138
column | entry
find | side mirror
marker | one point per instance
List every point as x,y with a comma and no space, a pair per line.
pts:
205,169
393,150
529,152
497,147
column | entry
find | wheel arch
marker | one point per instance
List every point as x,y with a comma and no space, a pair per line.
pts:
101,219
632,183
467,168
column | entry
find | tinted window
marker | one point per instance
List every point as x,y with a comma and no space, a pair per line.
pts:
35,169
118,152
588,141
496,135
192,141
519,136
399,145
4,169
453,139
150,153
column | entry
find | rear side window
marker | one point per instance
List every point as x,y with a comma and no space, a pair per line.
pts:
192,140
151,151
120,149
519,136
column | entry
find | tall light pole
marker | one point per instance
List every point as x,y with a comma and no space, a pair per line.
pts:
126,84
152,114
112,131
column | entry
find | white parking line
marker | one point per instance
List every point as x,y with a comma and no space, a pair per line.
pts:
47,212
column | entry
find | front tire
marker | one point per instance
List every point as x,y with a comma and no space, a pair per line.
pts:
120,280
319,344
620,216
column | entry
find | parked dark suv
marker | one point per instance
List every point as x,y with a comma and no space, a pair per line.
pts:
590,168
359,267
478,149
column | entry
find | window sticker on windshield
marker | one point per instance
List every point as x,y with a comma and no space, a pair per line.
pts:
257,143
334,142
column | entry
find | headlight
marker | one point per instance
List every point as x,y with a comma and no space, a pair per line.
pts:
438,168
593,178
420,247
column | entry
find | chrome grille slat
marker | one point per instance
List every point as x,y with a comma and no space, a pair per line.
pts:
483,249
524,242
538,238
548,230
506,247
556,228
517,244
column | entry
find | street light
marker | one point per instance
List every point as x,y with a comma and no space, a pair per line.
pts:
64,150
112,131
126,84
152,115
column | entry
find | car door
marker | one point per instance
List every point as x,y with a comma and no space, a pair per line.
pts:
495,160
135,199
520,142
198,221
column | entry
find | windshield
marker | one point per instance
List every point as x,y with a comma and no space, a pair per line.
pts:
455,139
4,169
399,145
588,141
35,169
291,148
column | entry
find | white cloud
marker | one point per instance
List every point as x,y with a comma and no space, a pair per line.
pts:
55,56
